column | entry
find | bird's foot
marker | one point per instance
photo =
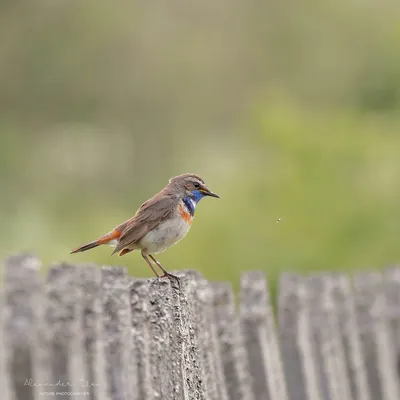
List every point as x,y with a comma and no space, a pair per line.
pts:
172,277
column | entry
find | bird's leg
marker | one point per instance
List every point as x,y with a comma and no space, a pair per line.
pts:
166,274
150,265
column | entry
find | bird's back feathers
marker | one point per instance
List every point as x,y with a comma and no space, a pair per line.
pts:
148,217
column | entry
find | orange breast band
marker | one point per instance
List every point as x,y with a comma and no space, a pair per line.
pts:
185,214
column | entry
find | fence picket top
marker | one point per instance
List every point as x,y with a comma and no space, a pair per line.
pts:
371,300
160,292
22,289
290,302
90,277
89,280
306,318
115,277
139,289
65,337
64,296
260,337
141,340
369,297
365,286
116,299
290,292
115,284
190,341
23,308
231,343
392,289
163,363
329,342
341,293
5,371
254,299
117,332
224,309
223,297
350,333
201,300
24,262
291,299
318,298
296,337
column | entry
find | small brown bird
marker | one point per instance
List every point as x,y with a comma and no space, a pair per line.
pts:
159,223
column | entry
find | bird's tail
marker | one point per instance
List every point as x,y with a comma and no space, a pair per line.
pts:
109,238
85,247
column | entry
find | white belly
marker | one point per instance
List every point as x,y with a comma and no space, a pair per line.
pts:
165,235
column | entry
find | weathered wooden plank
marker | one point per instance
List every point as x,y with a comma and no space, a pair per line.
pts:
231,344
350,334
101,335
117,335
259,330
297,339
90,278
165,363
392,290
377,340
192,357
328,346
141,339
201,301
24,326
4,350
65,333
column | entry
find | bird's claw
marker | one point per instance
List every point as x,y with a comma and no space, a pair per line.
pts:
172,277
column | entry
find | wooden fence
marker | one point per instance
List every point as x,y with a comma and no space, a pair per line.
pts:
96,333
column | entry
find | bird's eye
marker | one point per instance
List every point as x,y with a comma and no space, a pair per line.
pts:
196,185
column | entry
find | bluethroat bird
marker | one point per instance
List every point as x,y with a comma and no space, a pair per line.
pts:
159,223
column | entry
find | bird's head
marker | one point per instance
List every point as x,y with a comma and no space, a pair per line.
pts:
191,185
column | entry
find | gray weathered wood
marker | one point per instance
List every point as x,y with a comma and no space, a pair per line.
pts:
231,344
23,324
117,335
314,289
392,290
141,339
328,345
5,373
64,332
350,335
297,339
190,308
259,330
165,373
371,305
201,301
95,364
98,334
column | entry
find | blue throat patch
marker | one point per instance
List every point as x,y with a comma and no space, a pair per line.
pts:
196,197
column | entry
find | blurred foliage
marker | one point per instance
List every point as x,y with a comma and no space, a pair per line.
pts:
289,110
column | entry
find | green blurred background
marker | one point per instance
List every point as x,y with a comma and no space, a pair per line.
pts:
288,109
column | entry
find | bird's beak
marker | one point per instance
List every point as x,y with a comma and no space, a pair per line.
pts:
209,193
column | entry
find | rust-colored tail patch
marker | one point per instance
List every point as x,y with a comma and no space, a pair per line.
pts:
114,234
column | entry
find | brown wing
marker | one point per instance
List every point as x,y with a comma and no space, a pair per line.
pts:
149,215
